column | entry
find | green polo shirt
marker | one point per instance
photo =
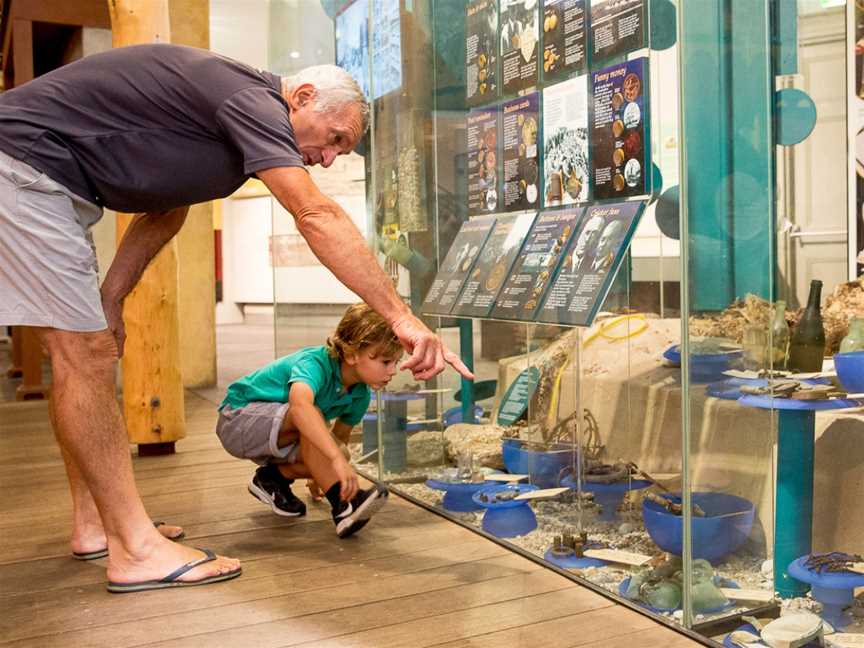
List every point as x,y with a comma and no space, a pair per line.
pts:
313,366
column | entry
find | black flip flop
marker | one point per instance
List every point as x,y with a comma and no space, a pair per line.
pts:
101,553
171,579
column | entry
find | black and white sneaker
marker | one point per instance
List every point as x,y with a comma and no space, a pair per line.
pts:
356,513
269,486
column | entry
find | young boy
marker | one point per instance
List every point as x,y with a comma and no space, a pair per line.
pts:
278,416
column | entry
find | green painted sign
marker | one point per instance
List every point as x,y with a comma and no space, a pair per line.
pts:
516,398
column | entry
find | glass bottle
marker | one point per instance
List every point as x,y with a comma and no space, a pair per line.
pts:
779,337
854,340
807,348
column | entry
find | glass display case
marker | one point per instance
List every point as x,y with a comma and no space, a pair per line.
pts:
614,211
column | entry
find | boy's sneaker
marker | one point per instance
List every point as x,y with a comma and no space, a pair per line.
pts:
275,491
356,513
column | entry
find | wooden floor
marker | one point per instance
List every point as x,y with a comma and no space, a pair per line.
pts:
409,579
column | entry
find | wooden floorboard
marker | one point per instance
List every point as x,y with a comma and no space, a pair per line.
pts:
409,579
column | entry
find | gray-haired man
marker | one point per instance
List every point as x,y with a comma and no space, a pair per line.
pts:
153,129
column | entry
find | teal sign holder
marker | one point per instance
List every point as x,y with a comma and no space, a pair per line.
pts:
518,395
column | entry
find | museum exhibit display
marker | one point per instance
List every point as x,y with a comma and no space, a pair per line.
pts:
654,271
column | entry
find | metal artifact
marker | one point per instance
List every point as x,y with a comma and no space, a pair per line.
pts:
834,561
673,507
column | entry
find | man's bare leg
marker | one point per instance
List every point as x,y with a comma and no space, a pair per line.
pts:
88,533
90,429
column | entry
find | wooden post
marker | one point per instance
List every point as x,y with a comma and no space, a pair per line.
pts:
31,387
153,399
15,369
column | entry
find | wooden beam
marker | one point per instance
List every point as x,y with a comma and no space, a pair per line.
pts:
22,46
86,13
153,398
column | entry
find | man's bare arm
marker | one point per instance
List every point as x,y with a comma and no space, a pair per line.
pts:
337,243
146,235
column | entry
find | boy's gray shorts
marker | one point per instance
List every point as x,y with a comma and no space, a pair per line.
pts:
252,432
48,271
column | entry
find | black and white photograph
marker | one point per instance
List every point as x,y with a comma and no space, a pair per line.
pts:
520,44
352,42
565,142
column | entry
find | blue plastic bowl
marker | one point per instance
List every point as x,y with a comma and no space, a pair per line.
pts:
850,370
543,468
726,526
704,367
454,415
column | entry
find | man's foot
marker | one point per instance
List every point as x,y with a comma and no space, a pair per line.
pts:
269,486
89,541
158,559
354,515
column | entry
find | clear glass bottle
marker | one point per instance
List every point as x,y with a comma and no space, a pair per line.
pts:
807,348
779,337
854,340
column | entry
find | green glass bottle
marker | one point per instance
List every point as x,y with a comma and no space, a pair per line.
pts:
807,348
779,337
854,340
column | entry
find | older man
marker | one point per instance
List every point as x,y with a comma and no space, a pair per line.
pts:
153,129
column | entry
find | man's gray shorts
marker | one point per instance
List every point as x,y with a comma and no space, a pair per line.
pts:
48,271
252,432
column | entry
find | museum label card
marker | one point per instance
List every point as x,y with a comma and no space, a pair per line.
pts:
617,27
482,140
520,130
563,38
534,267
590,262
520,45
616,556
620,147
457,264
565,142
543,493
747,594
505,477
493,265
481,52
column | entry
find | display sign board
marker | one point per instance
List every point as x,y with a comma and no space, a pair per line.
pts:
520,130
590,262
493,265
457,265
565,142
520,45
564,35
518,395
535,266
482,135
617,27
352,45
481,51
620,135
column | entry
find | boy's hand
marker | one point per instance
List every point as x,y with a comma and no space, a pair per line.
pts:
347,478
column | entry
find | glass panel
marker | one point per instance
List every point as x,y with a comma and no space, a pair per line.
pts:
484,117
727,292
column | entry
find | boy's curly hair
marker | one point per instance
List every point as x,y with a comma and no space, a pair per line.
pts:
361,328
